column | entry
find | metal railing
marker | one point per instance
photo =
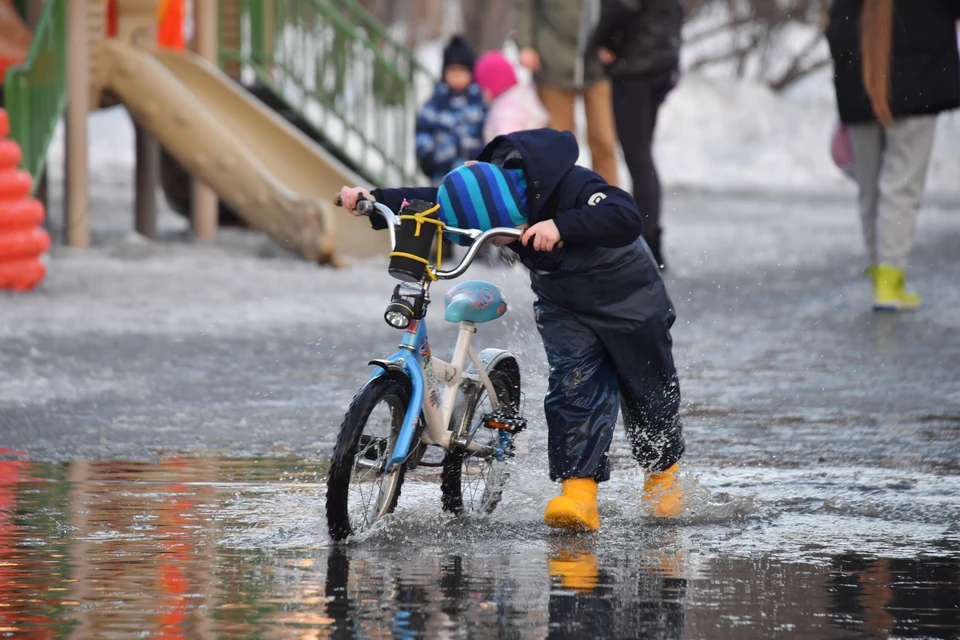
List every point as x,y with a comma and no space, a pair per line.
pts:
35,92
342,71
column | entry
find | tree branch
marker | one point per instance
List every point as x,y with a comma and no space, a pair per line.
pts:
795,73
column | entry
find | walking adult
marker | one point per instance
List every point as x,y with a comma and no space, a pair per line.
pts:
891,83
554,41
639,42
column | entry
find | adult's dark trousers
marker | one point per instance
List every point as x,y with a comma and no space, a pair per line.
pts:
636,101
606,331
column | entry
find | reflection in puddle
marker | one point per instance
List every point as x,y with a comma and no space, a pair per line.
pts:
204,548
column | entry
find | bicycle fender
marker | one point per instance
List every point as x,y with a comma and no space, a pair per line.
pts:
408,372
390,368
393,369
499,360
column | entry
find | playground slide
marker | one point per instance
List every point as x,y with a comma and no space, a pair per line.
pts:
279,180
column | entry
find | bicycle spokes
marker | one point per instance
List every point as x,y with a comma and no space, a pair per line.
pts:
372,448
482,477
371,489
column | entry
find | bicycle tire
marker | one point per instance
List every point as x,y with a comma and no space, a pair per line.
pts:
343,464
451,477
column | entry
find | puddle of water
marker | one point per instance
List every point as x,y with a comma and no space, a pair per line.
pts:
209,547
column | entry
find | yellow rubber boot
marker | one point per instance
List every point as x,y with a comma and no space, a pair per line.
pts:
577,569
576,508
889,291
662,493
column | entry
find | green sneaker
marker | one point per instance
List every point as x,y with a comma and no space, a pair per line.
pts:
890,294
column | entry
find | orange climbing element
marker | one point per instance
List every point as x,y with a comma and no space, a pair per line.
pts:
170,23
21,238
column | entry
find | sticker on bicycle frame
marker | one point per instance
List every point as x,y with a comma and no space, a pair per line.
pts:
425,351
414,324
431,379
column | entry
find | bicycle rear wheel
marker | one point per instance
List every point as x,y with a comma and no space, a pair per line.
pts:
471,482
358,492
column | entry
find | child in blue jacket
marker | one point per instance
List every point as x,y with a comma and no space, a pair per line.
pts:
602,310
450,124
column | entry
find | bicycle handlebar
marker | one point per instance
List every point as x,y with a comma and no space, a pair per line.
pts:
480,238
365,207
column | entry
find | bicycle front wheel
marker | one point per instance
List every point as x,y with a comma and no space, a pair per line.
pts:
471,482
358,491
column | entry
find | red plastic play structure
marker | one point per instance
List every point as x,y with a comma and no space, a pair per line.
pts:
22,240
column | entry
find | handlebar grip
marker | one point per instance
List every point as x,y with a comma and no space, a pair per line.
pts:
364,206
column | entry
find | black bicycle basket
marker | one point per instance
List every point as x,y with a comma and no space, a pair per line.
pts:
419,223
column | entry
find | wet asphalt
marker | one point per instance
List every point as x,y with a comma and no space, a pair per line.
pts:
168,409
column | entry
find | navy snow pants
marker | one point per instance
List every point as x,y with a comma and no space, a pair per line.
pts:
605,320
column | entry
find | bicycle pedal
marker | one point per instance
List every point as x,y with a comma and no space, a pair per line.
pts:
504,422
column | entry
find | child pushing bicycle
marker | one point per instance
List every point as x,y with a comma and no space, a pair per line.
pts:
602,310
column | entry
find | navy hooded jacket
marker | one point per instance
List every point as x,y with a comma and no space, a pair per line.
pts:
588,212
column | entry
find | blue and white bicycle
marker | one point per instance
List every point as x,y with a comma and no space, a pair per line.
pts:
469,407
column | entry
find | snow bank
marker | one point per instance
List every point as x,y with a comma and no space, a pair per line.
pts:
720,133
738,135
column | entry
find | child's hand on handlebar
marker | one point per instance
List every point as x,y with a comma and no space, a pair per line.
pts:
545,236
349,196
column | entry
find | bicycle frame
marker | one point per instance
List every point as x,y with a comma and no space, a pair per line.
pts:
425,373
415,361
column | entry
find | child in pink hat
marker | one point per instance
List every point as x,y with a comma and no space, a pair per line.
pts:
514,106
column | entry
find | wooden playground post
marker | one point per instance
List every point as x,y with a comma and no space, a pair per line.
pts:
76,225
230,27
147,177
205,205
